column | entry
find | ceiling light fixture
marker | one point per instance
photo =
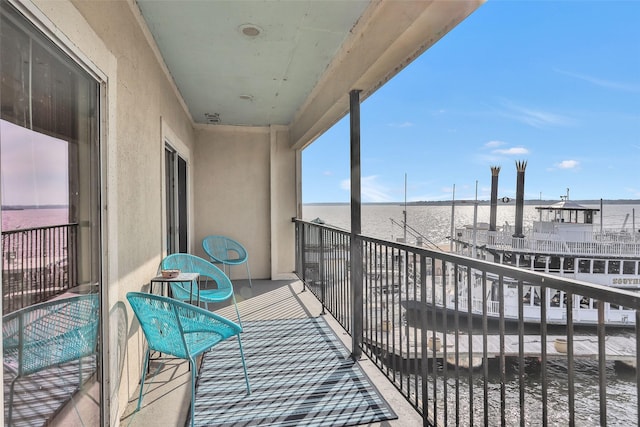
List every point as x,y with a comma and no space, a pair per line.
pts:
250,30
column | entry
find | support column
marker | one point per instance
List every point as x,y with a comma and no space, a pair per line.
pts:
356,227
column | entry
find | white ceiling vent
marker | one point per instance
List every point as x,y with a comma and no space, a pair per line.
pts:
212,118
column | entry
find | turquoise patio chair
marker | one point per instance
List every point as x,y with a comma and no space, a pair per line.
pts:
49,334
181,330
226,251
182,291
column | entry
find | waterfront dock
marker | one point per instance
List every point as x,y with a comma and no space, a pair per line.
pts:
407,345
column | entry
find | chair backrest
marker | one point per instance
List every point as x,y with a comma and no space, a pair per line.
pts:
188,263
50,333
160,323
166,321
224,249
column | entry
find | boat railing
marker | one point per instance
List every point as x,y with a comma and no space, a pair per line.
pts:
37,264
456,367
612,243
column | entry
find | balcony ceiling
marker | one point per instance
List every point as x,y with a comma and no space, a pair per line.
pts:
290,63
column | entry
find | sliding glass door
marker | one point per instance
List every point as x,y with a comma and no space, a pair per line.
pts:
176,201
51,228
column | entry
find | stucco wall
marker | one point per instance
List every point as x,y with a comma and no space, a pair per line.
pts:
244,188
283,204
231,191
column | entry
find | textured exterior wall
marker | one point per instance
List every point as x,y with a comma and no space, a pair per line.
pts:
244,188
231,191
284,175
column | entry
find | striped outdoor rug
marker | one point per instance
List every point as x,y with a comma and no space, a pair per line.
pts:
300,375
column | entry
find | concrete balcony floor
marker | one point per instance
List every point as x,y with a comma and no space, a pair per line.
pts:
166,402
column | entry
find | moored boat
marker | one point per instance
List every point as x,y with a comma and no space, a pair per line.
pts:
564,241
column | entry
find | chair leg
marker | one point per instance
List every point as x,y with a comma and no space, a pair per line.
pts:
13,383
80,373
244,366
249,274
194,376
144,374
233,295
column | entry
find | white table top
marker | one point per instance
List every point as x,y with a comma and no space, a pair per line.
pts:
182,277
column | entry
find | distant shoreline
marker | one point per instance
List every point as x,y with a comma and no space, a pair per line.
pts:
481,202
26,207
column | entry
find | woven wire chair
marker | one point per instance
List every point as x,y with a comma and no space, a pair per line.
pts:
181,330
226,251
49,334
188,263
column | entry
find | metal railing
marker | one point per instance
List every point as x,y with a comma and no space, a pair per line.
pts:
460,367
37,264
607,242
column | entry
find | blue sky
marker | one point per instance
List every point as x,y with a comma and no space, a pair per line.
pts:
554,83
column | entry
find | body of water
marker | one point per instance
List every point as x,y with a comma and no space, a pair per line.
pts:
434,222
30,218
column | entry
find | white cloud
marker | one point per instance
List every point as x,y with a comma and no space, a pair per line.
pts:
567,164
513,151
536,118
370,190
494,144
327,173
635,193
447,189
484,159
609,84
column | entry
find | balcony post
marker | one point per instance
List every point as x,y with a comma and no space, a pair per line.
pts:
356,227
303,258
321,269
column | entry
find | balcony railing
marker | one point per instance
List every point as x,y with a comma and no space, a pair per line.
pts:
461,360
37,264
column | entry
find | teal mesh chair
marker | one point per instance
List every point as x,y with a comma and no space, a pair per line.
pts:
181,330
226,251
49,334
182,291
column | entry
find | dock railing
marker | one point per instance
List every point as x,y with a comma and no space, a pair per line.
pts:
37,264
459,367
